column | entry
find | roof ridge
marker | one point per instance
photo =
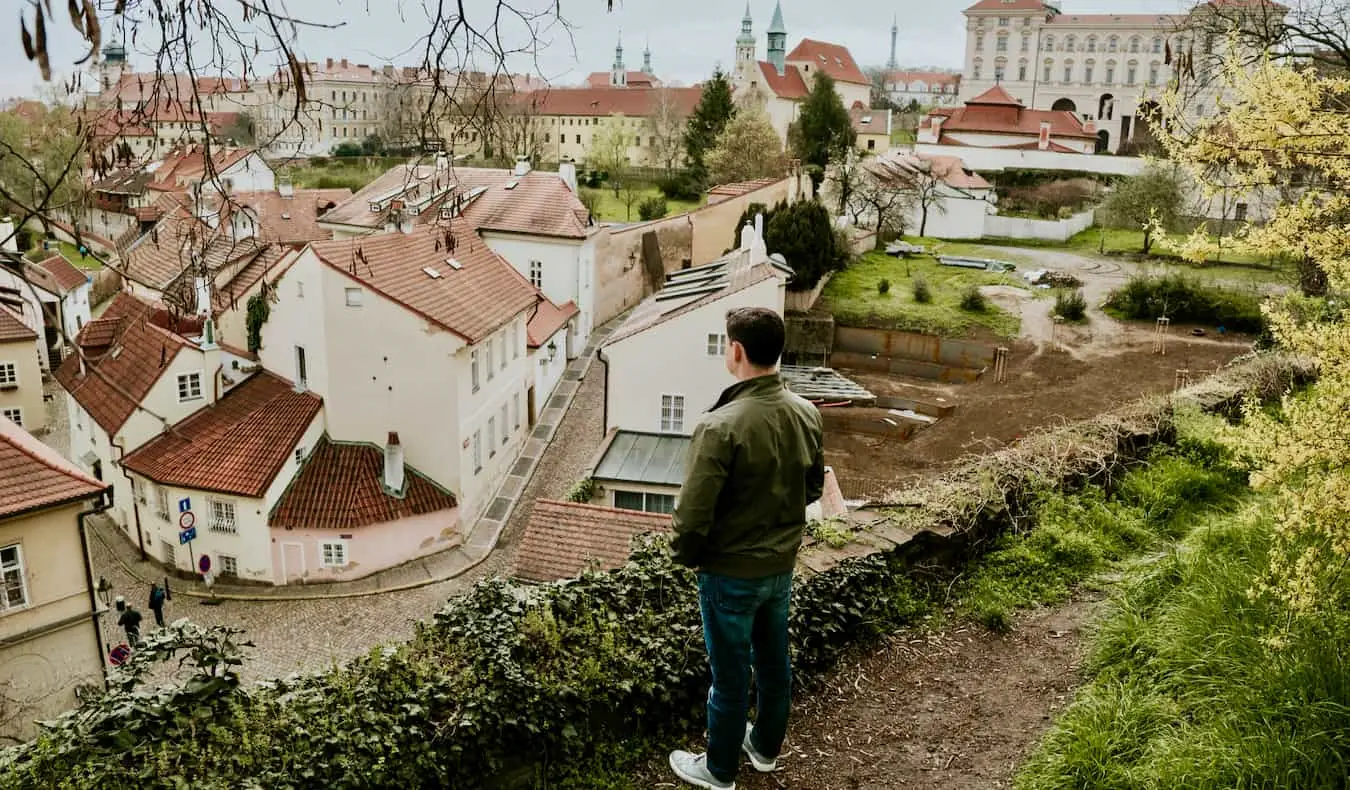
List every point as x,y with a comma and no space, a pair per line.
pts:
603,509
30,447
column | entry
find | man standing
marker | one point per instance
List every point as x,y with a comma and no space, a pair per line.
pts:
130,620
157,596
756,461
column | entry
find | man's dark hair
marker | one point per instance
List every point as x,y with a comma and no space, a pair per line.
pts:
760,331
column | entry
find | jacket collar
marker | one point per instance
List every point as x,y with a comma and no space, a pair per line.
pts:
760,385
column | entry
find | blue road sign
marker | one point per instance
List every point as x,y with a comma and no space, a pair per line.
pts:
186,535
184,505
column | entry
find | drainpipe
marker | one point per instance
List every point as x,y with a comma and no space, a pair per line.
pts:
215,384
604,408
135,511
105,500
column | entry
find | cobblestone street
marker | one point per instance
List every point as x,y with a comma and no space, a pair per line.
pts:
308,635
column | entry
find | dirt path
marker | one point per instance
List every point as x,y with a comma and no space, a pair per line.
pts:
953,710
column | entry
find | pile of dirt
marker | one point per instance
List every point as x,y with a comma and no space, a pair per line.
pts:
1058,280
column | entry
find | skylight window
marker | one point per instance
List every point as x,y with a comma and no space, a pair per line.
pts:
453,264
512,184
430,272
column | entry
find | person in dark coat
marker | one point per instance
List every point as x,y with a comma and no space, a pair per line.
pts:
157,598
130,620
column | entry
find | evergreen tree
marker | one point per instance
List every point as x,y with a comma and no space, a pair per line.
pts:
805,236
823,131
715,109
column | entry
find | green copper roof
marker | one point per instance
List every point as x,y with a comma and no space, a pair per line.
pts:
777,26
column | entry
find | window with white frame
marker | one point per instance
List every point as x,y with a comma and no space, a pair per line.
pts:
515,410
644,501
537,270
492,437
490,367
717,344
13,415
353,296
189,387
672,413
477,452
515,341
9,375
13,585
506,430
502,350
222,517
138,490
229,566
162,502
473,369
301,368
333,554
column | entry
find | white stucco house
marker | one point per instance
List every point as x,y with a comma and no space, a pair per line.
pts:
51,297
548,332
958,199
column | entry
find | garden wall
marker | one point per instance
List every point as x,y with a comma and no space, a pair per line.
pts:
910,353
977,158
622,278
1045,229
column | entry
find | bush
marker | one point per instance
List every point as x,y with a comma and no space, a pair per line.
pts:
651,208
682,186
1071,305
922,293
804,234
590,199
582,491
973,301
883,286
1186,300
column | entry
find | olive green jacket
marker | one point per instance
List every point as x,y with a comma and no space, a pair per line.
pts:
755,463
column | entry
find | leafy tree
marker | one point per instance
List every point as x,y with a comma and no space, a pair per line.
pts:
804,235
1288,127
714,111
666,125
241,131
748,216
748,148
590,199
823,132
1147,201
609,151
875,201
651,208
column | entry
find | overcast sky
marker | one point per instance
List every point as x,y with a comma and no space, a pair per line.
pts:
687,37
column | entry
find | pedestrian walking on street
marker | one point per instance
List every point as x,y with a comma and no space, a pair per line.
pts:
755,462
157,598
130,620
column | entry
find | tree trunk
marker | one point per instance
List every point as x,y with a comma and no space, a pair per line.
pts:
1312,280
923,220
1148,241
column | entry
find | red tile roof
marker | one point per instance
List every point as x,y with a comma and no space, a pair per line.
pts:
868,121
540,204
636,79
12,328
288,220
471,301
67,276
833,59
996,112
341,486
564,539
788,85
631,101
113,386
32,475
548,318
236,446
1008,5
995,97
952,170
161,256
181,166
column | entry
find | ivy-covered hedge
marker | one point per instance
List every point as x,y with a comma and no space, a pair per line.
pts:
509,677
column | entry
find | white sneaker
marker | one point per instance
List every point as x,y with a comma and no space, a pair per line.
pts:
692,769
762,764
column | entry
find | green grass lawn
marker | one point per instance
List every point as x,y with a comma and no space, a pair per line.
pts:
336,174
1124,241
902,137
71,253
612,209
853,298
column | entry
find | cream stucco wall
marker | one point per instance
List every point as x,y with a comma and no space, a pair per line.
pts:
547,372
39,671
672,358
715,228
27,395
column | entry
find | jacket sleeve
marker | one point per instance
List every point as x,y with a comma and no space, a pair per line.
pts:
815,476
708,463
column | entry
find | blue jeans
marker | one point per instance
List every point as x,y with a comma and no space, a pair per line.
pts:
745,624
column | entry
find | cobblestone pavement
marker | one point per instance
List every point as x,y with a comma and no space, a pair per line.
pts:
309,635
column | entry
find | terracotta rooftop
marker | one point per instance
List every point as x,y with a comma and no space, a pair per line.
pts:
634,102
832,59
689,289
996,112
741,187
411,185
548,318
952,170
236,446
635,79
788,85
116,383
471,297
68,277
12,328
540,204
182,166
868,121
564,539
1008,5
161,256
34,274
32,475
292,220
341,486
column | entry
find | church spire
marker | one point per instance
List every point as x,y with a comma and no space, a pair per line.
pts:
777,34
891,65
618,76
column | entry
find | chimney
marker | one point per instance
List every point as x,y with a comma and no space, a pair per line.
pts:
286,188
393,466
202,286
567,171
7,240
405,222
344,63
522,165
388,70
330,64
1090,126
1043,143
747,236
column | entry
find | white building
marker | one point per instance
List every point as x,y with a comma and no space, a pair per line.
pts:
51,297
780,83
958,199
547,332
928,88
995,119
1104,67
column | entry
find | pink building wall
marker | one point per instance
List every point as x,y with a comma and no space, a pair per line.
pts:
370,549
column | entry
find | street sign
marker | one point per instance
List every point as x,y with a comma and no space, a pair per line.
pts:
184,505
186,520
186,535
204,564
119,655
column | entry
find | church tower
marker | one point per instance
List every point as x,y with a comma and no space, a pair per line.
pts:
744,68
777,34
618,76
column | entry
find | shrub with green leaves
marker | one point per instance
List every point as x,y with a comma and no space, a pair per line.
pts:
1186,300
883,286
973,301
922,293
1071,305
652,208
